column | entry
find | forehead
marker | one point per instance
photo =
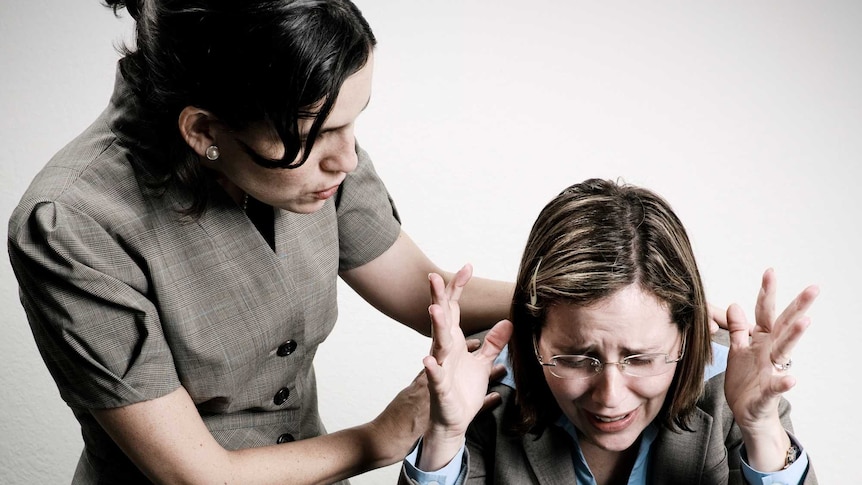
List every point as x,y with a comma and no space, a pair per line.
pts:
630,316
354,95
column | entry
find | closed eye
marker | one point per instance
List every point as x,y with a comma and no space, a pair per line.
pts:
643,359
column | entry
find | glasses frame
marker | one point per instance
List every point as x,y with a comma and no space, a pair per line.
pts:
599,366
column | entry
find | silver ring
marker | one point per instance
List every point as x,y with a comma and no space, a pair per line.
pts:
782,367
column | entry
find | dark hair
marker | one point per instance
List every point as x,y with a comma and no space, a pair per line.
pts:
592,240
249,61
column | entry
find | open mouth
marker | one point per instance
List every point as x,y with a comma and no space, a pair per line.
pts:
605,419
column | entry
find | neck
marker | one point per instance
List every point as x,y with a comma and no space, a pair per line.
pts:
233,191
610,467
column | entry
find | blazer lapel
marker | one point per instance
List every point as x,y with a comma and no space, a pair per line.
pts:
550,456
682,457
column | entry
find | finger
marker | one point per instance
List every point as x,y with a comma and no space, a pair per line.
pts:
457,283
791,325
782,384
433,371
496,339
717,318
441,342
492,400
764,310
713,327
473,344
438,289
782,347
799,306
498,372
738,326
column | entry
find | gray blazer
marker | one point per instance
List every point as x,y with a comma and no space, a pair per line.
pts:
708,455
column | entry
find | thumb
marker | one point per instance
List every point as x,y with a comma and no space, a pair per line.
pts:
738,326
496,339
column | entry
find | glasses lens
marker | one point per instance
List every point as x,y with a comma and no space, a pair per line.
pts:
575,366
646,365
584,367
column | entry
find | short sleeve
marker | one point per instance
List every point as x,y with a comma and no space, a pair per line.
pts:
368,223
87,303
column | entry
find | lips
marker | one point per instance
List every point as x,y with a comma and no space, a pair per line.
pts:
612,424
327,193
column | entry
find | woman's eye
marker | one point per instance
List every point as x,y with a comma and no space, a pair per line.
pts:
574,362
641,360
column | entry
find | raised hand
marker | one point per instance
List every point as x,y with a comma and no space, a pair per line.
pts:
457,378
757,370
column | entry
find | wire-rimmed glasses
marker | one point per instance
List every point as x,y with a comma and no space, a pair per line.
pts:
584,366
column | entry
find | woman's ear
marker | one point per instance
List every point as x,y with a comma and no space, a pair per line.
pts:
199,128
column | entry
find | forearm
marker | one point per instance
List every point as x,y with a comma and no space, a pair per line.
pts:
168,441
324,459
396,283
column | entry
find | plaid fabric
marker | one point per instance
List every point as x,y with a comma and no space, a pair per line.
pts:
127,301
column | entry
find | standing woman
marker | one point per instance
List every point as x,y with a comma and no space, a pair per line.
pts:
178,260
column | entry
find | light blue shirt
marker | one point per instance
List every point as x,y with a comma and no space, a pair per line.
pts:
455,472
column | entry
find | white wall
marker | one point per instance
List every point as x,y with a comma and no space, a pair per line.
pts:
745,115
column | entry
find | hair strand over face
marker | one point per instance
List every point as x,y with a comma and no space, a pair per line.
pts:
250,63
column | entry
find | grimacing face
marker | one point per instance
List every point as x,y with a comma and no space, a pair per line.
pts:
610,410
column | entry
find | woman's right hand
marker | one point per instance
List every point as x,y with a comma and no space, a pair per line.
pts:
457,378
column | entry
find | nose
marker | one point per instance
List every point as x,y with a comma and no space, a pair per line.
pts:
609,386
340,152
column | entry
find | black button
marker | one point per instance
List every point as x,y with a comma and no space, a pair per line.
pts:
286,348
285,438
281,396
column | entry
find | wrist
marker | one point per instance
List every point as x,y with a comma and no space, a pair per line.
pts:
437,449
767,449
384,445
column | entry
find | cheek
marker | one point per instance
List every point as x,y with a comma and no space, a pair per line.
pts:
566,391
653,389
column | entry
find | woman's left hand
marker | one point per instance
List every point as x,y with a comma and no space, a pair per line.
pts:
457,377
757,369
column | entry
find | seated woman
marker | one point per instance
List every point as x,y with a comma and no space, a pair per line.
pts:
616,379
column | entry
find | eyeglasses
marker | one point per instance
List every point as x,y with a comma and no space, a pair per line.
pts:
584,366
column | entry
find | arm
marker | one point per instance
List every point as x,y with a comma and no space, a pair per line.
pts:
168,441
753,383
396,283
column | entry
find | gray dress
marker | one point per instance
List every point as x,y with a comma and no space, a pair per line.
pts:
127,301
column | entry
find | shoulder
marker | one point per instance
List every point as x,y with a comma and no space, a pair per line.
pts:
91,178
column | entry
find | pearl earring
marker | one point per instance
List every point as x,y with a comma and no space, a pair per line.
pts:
212,153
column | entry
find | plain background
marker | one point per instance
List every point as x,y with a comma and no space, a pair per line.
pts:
745,115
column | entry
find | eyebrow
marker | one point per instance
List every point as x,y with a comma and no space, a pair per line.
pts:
591,350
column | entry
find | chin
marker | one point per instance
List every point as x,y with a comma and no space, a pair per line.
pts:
303,207
615,443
